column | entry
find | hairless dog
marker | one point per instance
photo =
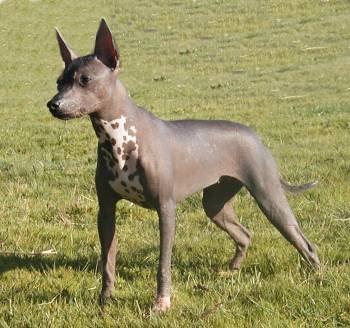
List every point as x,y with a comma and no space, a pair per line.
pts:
156,163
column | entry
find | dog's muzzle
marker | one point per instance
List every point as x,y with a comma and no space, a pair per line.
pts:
53,105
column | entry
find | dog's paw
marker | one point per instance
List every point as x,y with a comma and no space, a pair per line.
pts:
161,304
234,265
105,297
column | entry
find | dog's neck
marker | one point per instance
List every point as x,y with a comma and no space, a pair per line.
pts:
117,109
115,125
119,104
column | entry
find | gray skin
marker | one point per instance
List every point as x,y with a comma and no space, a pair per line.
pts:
175,160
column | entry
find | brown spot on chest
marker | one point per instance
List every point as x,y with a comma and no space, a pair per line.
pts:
129,147
120,151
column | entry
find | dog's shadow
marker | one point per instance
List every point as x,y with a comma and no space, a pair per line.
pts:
126,268
45,263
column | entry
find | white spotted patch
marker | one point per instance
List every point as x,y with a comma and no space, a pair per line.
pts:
122,162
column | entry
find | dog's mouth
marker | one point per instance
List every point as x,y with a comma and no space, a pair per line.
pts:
63,112
61,116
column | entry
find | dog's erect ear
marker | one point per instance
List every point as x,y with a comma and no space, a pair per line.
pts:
105,48
66,53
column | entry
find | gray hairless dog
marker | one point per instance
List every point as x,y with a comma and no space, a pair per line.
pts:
156,163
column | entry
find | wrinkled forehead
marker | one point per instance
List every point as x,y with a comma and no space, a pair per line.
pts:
87,65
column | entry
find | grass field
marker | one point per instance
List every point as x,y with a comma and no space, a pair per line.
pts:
281,67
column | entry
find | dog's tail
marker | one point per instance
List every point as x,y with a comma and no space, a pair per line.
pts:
299,188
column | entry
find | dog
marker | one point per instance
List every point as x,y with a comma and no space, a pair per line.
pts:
156,163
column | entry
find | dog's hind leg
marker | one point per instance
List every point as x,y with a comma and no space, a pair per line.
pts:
264,184
277,210
217,206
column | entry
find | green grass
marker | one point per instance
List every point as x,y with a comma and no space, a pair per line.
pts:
281,67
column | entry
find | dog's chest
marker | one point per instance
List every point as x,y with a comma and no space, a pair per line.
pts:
121,157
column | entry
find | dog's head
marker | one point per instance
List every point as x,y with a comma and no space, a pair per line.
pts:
86,83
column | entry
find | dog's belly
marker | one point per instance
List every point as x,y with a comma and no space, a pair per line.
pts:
204,151
196,176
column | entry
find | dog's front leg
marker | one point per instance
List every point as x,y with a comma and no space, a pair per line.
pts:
106,231
166,213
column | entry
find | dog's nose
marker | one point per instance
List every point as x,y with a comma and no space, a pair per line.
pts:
53,105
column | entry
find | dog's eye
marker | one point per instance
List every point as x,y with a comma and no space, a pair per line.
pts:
84,80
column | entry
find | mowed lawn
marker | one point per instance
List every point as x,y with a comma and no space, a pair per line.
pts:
280,67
